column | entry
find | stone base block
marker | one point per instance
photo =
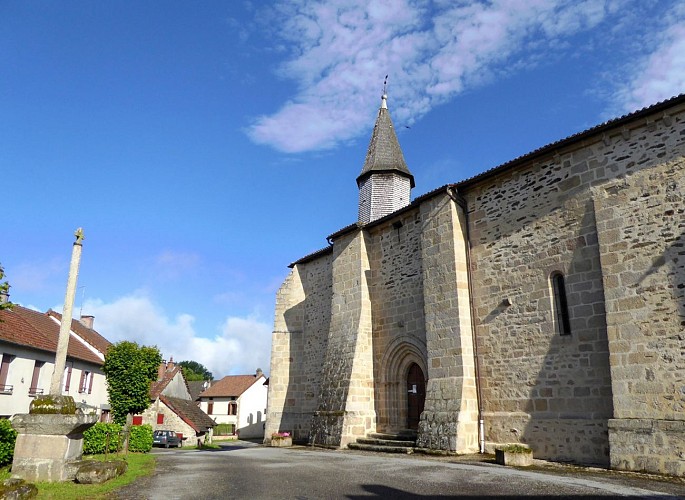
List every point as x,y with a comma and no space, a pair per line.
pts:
455,432
336,429
648,445
47,444
513,458
281,442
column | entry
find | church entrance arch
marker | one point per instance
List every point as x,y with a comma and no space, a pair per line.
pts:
416,395
403,366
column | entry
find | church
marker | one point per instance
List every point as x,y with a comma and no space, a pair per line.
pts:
540,302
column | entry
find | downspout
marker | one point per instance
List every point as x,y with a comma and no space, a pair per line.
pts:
461,201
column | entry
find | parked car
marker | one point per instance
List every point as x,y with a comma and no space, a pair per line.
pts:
166,439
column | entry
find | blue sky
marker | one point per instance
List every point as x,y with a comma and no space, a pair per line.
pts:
203,146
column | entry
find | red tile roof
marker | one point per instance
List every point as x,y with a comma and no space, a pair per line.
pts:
232,385
29,328
88,334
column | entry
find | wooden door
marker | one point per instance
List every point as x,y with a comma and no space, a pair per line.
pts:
416,395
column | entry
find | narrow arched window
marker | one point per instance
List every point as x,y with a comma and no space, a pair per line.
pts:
562,320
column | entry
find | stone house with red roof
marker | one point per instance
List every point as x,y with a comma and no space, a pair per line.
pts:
28,342
172,407
239,401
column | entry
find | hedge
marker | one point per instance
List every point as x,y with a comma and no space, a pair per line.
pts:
141,438
8,436
95,438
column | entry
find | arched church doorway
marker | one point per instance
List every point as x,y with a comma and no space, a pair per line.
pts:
416,395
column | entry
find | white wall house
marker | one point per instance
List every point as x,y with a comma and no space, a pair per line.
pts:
240,401
28,342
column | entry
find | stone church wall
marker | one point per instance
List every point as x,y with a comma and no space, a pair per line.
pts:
554,392
396,292
303,311
642,236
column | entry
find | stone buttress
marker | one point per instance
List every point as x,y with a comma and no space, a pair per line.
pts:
450,418
346,399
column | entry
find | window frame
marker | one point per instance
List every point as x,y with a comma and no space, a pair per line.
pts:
560,309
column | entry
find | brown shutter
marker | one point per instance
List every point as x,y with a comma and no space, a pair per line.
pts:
80,384
66,384
4,369
90,385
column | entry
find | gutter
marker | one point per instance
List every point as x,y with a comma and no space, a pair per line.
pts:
461,202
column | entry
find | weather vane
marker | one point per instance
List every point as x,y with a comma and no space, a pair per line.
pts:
385,84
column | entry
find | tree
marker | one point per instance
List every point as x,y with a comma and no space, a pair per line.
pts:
130,370
4,289
192,370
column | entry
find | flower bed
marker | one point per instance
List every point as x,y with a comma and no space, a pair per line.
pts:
281,439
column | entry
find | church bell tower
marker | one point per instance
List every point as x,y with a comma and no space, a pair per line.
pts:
385,182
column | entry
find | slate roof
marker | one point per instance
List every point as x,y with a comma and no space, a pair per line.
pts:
34,329
384,153
230,386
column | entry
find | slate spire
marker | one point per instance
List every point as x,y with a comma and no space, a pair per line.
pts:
385,181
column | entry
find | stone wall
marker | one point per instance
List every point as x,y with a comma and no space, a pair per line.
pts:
303,308
642,236
550,391
346,401
396,292
450,419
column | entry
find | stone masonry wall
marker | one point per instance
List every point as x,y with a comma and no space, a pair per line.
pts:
641,225
346,400
399,337
550,391
450,419
303,310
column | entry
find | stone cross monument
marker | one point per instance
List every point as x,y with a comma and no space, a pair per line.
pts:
65,327
49,442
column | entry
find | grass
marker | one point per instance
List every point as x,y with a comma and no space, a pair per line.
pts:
139,465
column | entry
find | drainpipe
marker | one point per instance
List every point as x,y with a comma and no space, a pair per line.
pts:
459,200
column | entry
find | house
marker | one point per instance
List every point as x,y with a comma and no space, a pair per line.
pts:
239,401
172,407
28,343
540,302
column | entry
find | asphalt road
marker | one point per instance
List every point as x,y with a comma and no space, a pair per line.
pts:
245,470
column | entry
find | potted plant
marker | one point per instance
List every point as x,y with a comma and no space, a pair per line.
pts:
281,439
514,454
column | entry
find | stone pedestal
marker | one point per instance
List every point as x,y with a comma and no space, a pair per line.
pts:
46,444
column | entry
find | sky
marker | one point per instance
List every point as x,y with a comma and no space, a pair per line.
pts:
205,145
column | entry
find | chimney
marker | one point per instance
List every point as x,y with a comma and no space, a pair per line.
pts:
161,370
170,365
4,292
87,321
259,373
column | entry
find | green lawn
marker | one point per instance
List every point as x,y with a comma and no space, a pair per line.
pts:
139,464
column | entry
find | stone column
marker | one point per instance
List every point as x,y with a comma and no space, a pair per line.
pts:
450,417
65,326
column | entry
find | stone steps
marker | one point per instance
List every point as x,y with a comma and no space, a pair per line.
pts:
399,442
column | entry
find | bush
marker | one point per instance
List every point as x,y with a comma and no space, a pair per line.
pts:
8,436
95,438
141,438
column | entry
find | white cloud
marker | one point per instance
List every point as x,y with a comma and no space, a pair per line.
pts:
661,74
241,346
341,50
